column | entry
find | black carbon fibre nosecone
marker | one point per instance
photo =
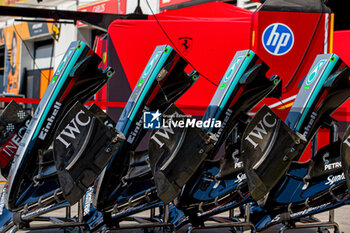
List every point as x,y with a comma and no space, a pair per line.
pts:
77,78
324,89
163,81
246,86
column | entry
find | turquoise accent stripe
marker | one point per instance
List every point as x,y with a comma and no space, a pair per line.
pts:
234,83
62,80
149,82
148,85
320,83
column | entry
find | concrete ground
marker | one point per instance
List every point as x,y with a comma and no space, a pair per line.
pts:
341,216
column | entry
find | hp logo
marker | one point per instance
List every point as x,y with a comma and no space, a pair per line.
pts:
278,39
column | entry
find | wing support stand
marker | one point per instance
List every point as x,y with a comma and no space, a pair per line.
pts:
223,223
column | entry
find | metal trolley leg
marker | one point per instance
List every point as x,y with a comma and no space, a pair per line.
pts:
246,223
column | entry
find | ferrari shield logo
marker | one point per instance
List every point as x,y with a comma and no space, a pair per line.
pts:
185,44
